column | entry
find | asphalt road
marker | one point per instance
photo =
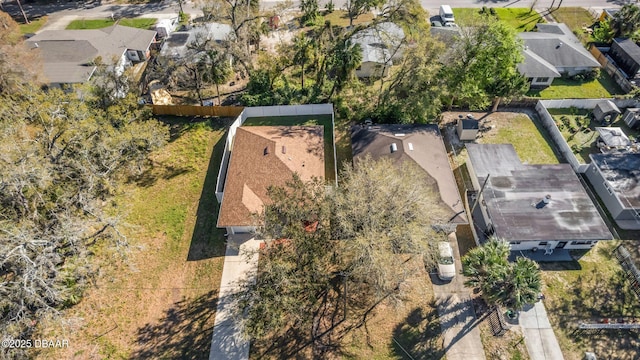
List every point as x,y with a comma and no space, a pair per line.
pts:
97,8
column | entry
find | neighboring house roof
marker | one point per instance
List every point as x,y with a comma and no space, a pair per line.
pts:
556,45
446,34
622,174
379,43
534,66
177,44
613,136
67,54
264,156
514,191
421,144
629,48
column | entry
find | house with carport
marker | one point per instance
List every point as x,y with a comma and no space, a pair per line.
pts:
538,208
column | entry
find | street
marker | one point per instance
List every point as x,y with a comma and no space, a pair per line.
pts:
98,9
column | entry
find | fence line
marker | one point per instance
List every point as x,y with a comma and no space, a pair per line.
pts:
194,110
611,68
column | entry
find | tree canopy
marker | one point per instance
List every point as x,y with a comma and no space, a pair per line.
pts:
330,257
62,158
510,284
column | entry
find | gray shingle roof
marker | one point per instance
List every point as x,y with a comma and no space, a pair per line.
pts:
66,53
380,42
535,66
558,46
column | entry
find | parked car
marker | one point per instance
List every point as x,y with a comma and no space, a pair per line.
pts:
446,263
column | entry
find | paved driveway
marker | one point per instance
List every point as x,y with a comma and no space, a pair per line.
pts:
240,262
457,317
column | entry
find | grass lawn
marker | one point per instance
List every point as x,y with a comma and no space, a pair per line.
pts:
602,87
84,24
592,290
576,18
158,301
324,120
340,18
33,26
521,19
530,140
583,142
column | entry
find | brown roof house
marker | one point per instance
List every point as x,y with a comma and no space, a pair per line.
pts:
68,56
420,144
264,156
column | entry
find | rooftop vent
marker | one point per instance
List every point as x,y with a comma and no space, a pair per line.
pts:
559,45
266,151
411,146
547,199
36,45
284,149
399,135
394,147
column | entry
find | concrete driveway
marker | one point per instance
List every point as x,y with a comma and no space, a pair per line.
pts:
240,263
457,317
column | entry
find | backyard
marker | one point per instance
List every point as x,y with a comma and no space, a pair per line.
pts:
590,291
156,297
520,19
577,19
84,24
324,120
602,87
579,131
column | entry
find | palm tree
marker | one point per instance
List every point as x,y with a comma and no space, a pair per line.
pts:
216,69
626,21
303,47
512,285
347,56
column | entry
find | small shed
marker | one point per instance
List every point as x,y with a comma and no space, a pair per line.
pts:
467,129
613,136
606,111
631,117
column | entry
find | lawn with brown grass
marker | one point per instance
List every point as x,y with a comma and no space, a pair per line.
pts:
340,18
158,300
592,290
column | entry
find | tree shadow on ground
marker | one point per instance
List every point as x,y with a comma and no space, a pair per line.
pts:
184,332
418,337
207,240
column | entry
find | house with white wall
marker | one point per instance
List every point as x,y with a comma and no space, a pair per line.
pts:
616,178
533,207
69,56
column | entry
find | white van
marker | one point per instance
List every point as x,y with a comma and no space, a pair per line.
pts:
446,14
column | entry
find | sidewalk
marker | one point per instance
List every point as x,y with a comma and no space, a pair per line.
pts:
241,261
538,335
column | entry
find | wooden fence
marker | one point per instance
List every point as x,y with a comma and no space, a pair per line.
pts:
611,68
194,110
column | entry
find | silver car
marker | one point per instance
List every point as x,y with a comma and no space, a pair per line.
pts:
446,264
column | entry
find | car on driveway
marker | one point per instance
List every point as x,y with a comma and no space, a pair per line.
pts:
445,261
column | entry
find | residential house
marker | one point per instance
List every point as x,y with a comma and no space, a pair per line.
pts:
264,156
616,178
553,51
419,144
380,45
533,207
69,56
626,54
178,44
